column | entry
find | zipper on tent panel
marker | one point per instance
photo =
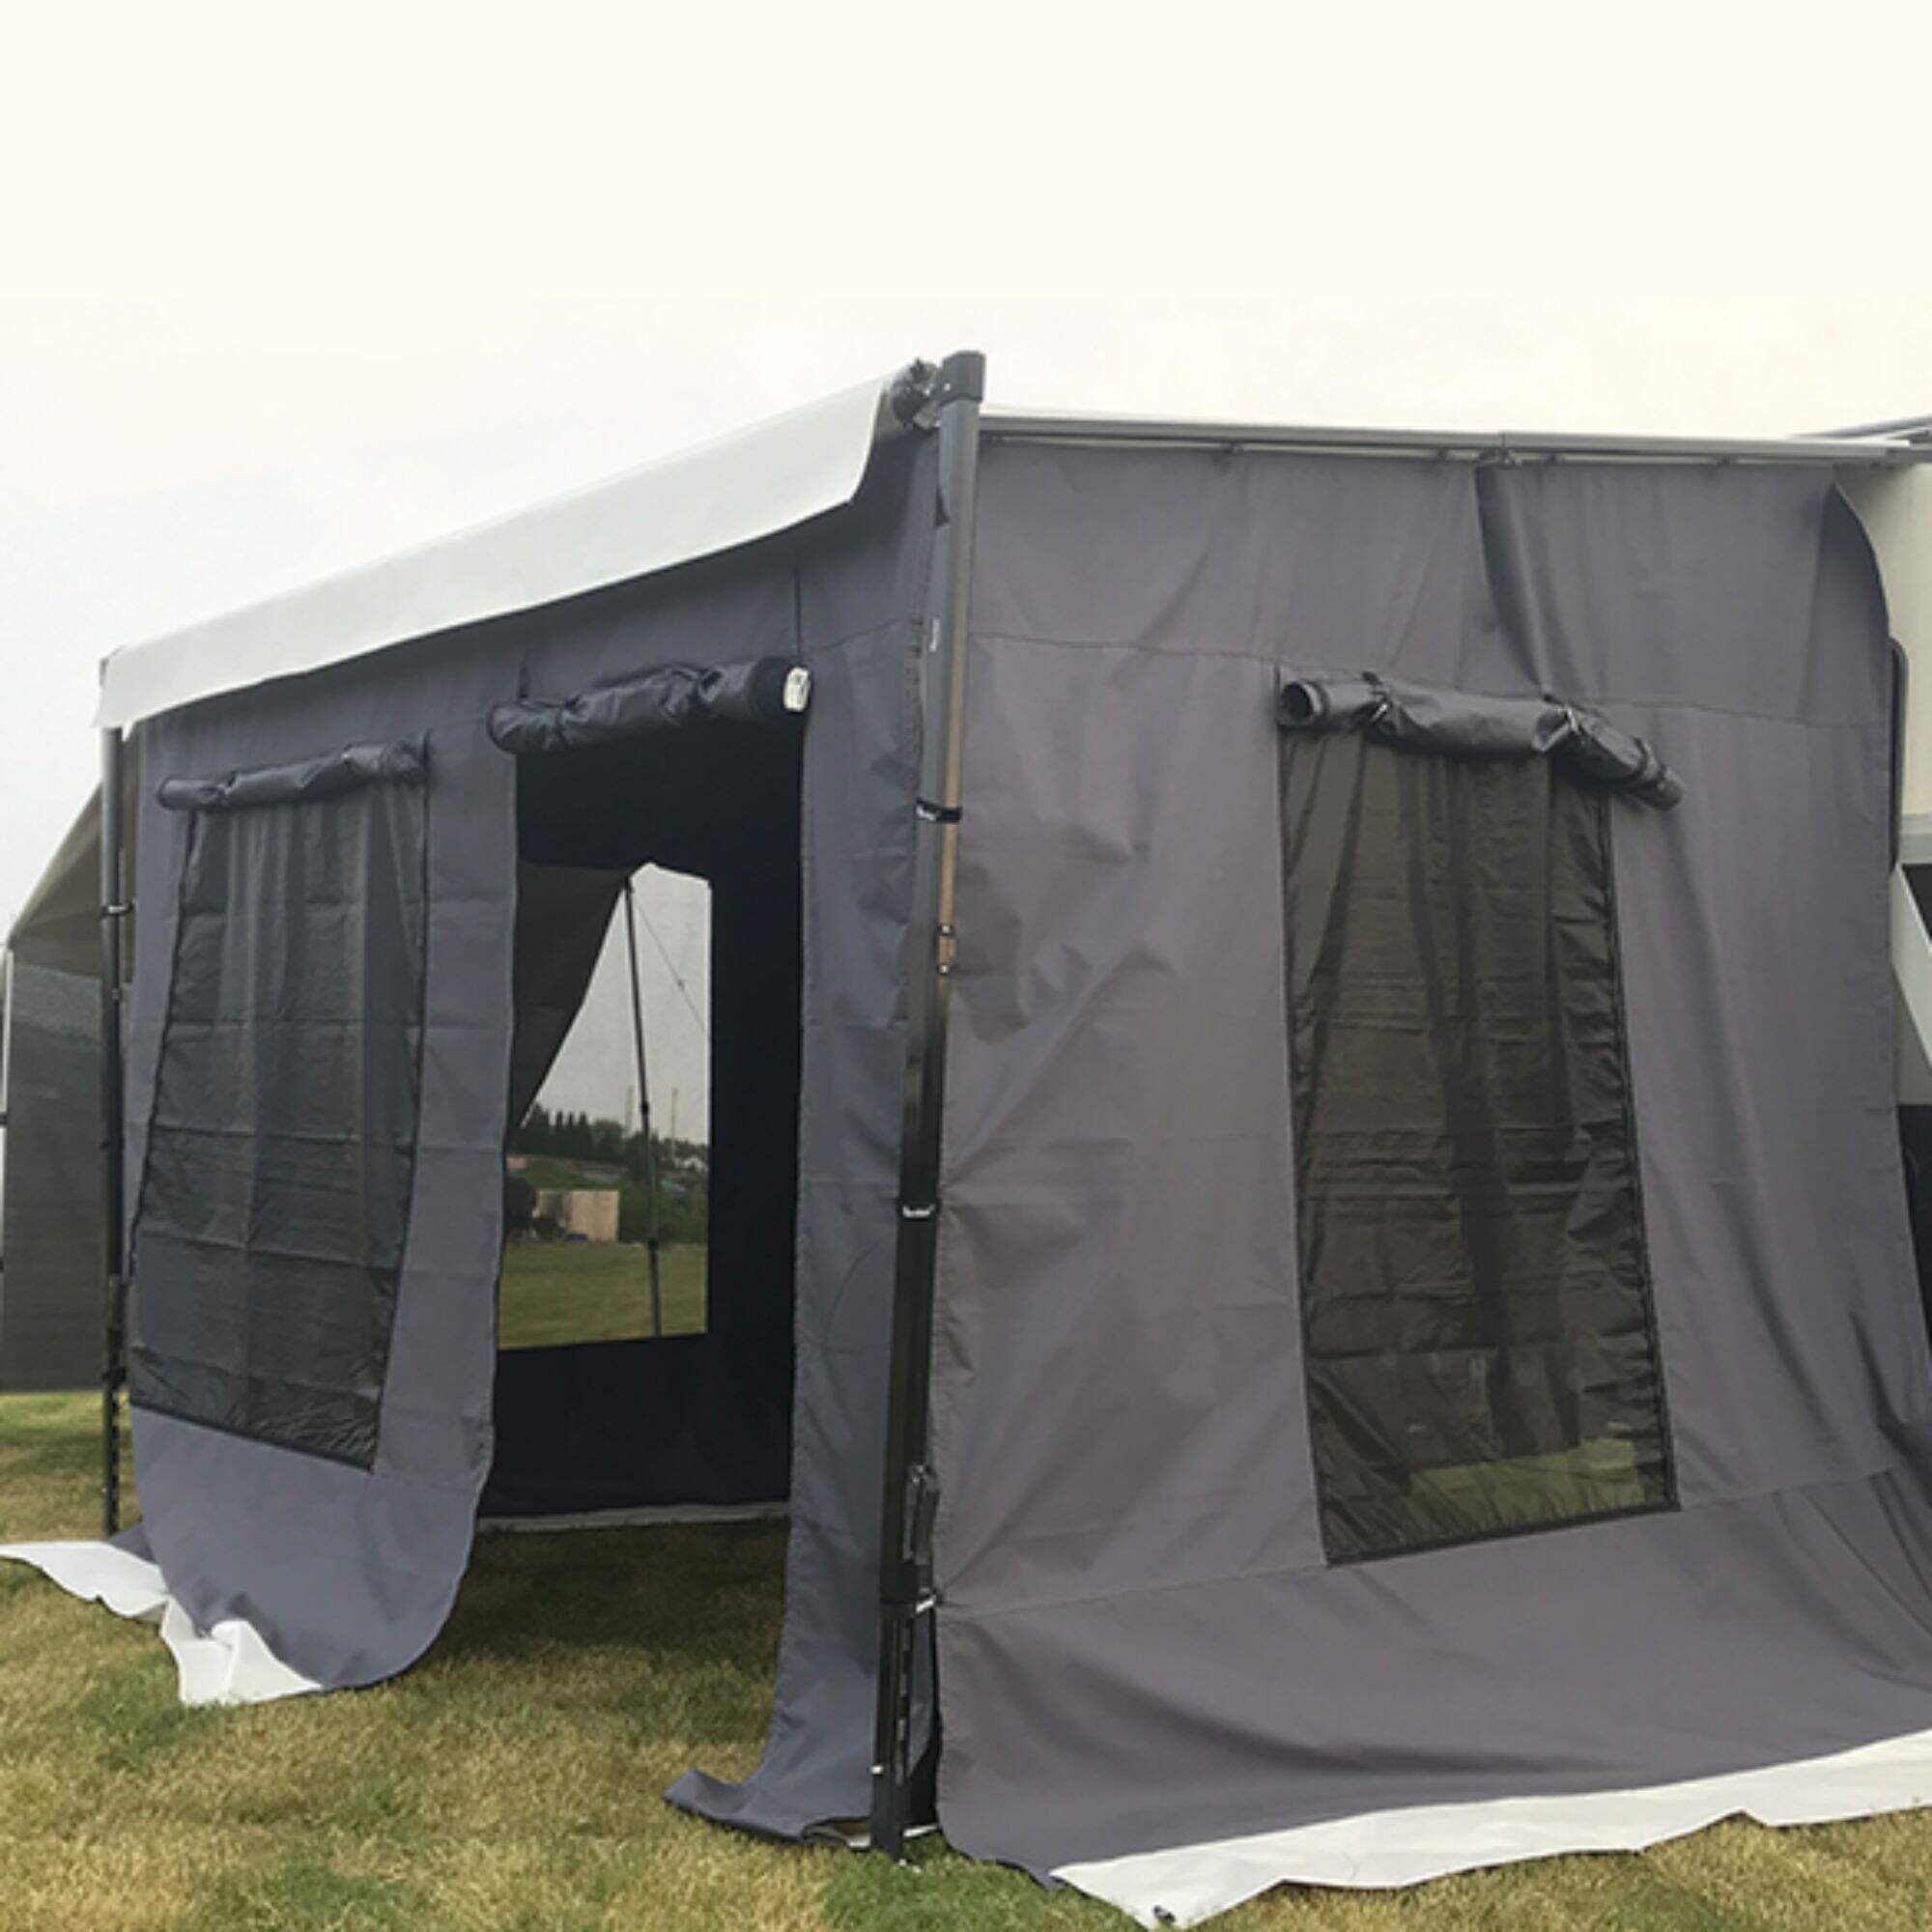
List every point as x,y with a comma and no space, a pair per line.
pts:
910,1491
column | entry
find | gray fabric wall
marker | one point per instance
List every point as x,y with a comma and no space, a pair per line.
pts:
60,924
53,1290
862,766
1139,1643
349,1574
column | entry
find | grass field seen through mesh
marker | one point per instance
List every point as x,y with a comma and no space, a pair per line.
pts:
556,1293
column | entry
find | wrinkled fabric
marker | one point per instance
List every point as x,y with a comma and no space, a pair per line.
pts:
671,699
1459,724
862,753
562,914
59,924
228,1664
347,1573
1183,1885
1143,1641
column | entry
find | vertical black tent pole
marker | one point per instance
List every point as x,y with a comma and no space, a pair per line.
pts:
651,1237
113,911
952,395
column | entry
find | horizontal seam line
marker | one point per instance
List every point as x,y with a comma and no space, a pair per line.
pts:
1874,722
1322,1568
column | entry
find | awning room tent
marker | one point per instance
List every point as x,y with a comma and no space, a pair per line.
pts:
1307,1202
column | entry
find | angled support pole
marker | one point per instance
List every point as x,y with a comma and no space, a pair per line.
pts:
114,908
948,400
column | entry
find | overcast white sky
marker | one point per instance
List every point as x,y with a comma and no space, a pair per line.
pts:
281,290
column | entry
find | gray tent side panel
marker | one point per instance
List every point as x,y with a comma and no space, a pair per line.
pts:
1139,1643
1752,637
52,1264
349,1574
60,924
863,610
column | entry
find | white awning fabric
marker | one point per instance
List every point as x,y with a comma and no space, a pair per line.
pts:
228,1664
734,490
1187,1884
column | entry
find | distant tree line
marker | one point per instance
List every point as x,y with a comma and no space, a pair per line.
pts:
684,1170
604,1143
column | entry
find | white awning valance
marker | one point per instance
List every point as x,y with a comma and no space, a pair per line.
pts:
734,490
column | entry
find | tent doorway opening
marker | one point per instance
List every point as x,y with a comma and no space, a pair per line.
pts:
628,1378
607,1194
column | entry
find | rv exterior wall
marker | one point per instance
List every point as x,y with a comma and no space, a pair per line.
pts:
1895,506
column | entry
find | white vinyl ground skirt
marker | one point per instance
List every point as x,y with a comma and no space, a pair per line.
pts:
228,1664
1183,1885
1188,1883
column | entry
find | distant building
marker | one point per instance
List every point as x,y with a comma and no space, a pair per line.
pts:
588,1212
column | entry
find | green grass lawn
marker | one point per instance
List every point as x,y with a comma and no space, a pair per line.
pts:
557,1291
542,1170
510,1784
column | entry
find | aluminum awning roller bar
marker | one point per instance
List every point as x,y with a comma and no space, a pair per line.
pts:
1476,446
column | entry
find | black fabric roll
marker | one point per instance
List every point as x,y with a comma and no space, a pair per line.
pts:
665,700
1464,725
405,761
1597,752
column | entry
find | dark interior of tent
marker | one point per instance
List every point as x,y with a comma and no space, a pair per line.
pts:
675,1418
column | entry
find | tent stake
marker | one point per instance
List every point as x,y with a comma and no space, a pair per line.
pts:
910,1495
113,911
651,1226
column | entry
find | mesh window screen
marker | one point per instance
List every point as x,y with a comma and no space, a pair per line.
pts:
1480,1344
268,1234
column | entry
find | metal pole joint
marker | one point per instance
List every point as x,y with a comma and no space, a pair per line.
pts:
921,391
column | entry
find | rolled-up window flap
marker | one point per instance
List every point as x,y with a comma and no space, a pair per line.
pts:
404,762
1597,752
1464,725
759,690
